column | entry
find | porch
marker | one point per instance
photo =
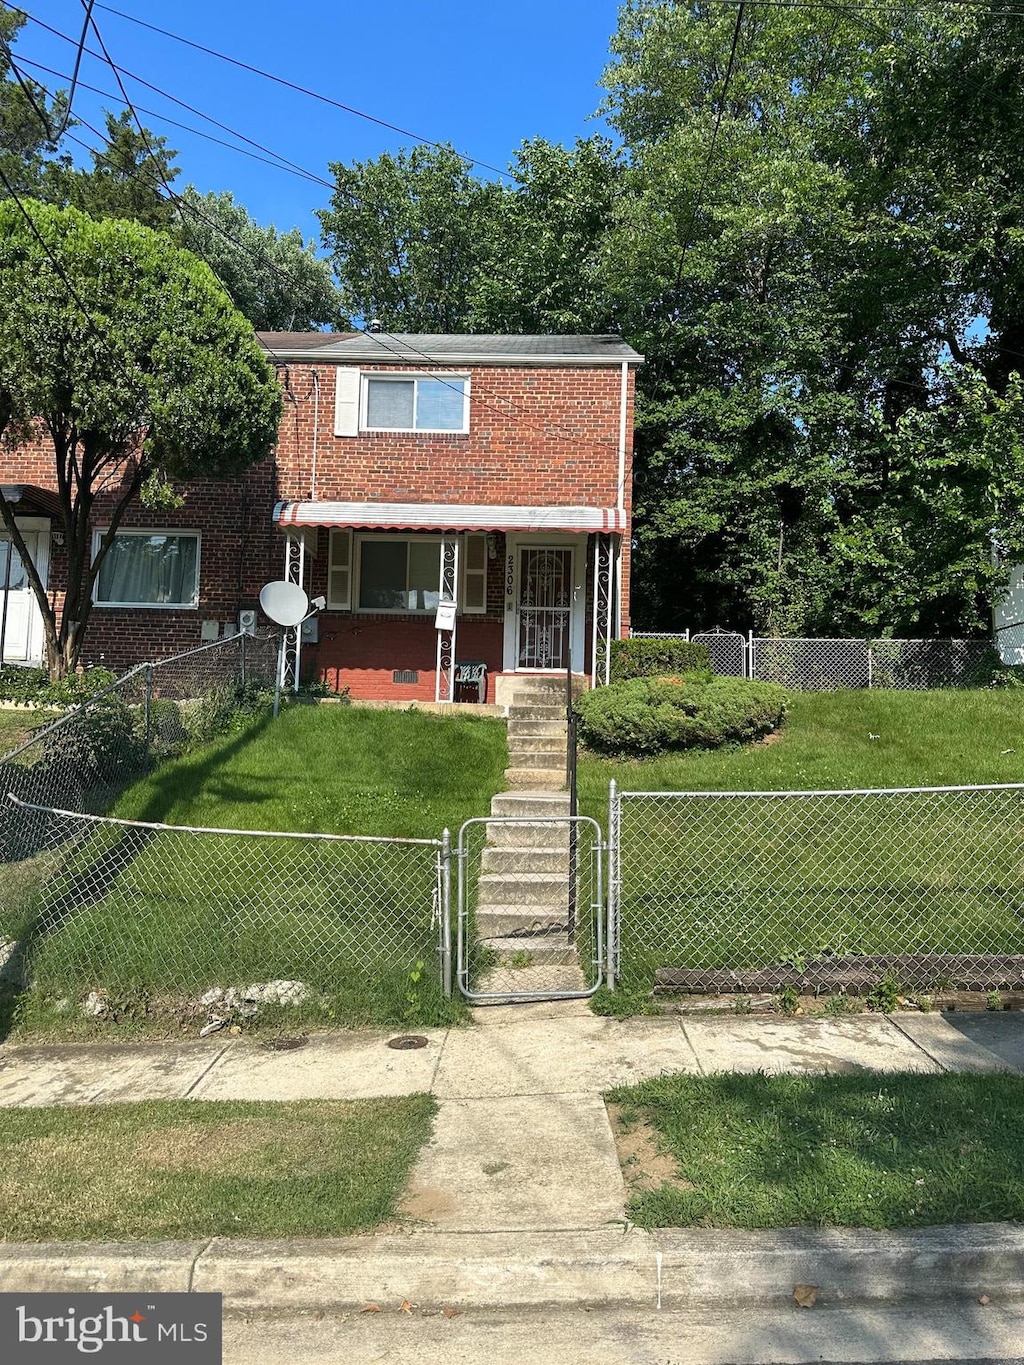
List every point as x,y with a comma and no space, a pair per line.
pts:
417,592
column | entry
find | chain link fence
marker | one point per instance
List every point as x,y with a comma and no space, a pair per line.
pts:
227,921
822,891
81,760
827,664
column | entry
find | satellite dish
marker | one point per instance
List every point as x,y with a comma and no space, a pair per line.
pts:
285,603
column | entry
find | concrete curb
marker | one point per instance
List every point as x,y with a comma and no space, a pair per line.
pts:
607,1266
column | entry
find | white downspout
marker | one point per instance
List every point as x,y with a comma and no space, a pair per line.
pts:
623,401
316,433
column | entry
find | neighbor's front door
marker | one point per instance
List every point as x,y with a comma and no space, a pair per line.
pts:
545,606
21,638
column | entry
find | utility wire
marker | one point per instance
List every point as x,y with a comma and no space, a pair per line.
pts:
299,89
88,5
290,167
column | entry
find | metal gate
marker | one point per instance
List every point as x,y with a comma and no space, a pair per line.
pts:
531,908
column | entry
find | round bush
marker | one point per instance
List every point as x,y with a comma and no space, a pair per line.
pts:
646,716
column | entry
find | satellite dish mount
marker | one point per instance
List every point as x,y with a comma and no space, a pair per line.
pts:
287,605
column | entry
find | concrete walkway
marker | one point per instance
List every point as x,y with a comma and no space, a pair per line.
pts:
519,1197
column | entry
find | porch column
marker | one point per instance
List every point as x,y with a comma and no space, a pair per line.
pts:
448,582
603,626
294,572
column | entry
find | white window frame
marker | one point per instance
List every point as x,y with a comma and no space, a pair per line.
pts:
356,540
388,376
179,531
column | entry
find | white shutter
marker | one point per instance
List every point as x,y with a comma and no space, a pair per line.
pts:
346,401
474,575
339,571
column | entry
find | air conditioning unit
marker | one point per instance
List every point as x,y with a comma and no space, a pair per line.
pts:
247,623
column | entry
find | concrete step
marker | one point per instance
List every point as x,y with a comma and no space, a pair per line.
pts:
536,779
532,858
512,921
536,729
544,890
530,803
537,744
549,686
536,758
520,837
525,950
534,712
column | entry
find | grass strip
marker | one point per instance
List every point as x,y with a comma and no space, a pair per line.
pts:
852,1150
193,1169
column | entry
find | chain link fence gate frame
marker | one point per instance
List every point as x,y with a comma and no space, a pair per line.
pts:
531,908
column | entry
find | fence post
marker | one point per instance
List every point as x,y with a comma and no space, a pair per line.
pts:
148,704
750,654
871,659
570,761
611,937
446,914
241,637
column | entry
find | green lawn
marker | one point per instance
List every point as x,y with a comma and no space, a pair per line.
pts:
192,1169
17,725
841,740
860,1150
158,918
333,770
755,882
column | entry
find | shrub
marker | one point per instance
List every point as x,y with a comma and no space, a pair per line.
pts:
645,716
230,706
100,743
649,658
33,685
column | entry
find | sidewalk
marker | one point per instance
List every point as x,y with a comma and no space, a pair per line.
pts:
519,1198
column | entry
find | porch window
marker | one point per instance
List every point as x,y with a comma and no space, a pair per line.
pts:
402,573
149,569
415,403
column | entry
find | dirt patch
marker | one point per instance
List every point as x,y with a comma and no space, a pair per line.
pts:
426,1203
644,1165
774,737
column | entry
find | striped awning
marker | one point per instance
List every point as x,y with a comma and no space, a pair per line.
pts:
28,500
431,516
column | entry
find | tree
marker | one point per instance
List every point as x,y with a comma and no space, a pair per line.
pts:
130,177
26,124
408,237
126,353
275,279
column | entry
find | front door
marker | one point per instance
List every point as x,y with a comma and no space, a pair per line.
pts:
545,607
20,624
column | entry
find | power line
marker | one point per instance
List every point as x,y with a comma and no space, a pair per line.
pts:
88,4
299,89
290,168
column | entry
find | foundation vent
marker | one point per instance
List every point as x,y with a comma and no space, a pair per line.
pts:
405,675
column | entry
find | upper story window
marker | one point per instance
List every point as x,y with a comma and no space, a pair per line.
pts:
406,403
371,401
149,569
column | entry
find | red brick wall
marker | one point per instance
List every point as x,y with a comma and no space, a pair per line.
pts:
538,435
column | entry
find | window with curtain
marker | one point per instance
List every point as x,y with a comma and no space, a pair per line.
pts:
149,569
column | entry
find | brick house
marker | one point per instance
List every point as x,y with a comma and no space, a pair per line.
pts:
411,471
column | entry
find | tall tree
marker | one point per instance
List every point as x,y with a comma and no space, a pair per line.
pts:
27,122
128,355
275,279
407,235
130,177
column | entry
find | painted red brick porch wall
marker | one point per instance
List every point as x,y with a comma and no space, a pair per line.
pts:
538,435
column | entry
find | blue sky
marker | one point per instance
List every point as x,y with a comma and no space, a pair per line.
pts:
481,76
